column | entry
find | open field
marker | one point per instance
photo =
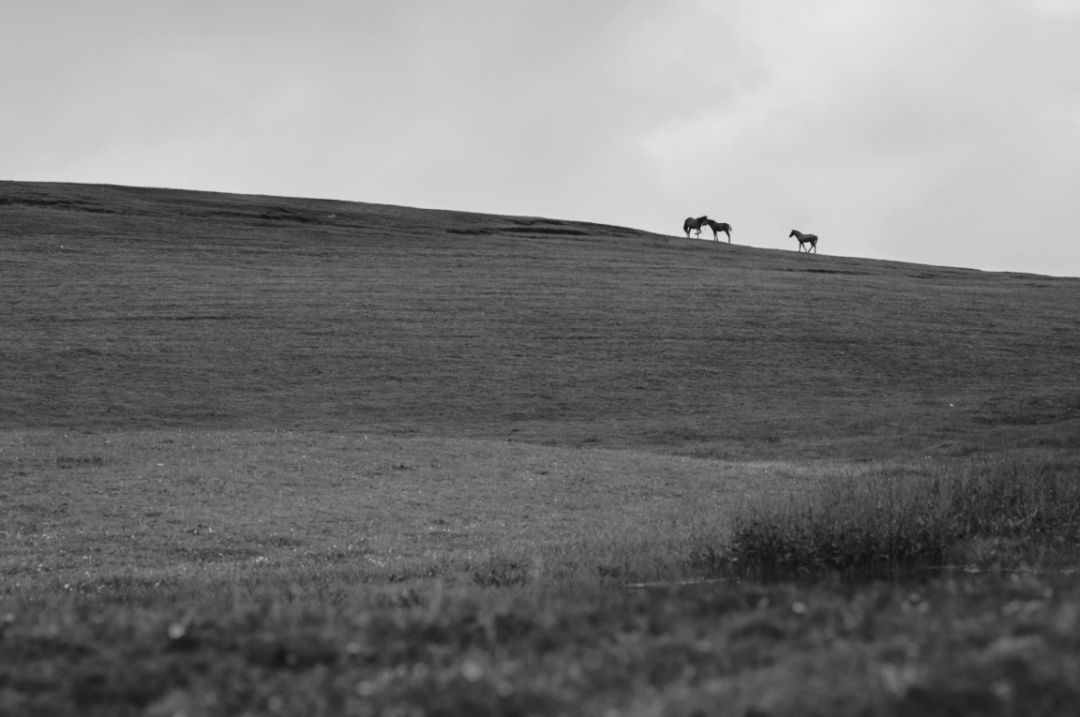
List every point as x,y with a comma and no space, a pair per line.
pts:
264,455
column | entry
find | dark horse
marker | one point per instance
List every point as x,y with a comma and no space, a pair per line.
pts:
810,239
718,227
693,224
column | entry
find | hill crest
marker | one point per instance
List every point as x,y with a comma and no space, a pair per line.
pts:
281,211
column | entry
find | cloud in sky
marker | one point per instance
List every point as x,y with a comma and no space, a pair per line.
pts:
943,133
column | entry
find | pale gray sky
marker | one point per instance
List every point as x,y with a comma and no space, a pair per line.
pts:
936,131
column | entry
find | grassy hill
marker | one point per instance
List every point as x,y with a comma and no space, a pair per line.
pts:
264,455
142,308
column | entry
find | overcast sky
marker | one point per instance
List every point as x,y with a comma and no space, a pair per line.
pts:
936,131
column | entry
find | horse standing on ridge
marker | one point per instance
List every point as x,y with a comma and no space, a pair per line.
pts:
810,239
718,227
693,224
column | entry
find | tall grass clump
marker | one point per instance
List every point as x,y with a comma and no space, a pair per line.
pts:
1019,499
897,520
851,524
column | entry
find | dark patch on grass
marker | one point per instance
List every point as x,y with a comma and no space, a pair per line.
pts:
282,541
553,231
490,231
1031,410
69,462
215,553
285,214
834,271
47,202
471,231
501,572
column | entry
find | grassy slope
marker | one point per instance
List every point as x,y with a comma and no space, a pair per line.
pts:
139,309
237,429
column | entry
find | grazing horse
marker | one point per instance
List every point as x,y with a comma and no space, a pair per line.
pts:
810,239
718,227
695,224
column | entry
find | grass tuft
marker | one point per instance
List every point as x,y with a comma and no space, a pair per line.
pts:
894,521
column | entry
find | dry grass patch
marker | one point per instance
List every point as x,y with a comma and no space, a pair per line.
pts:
1010,510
